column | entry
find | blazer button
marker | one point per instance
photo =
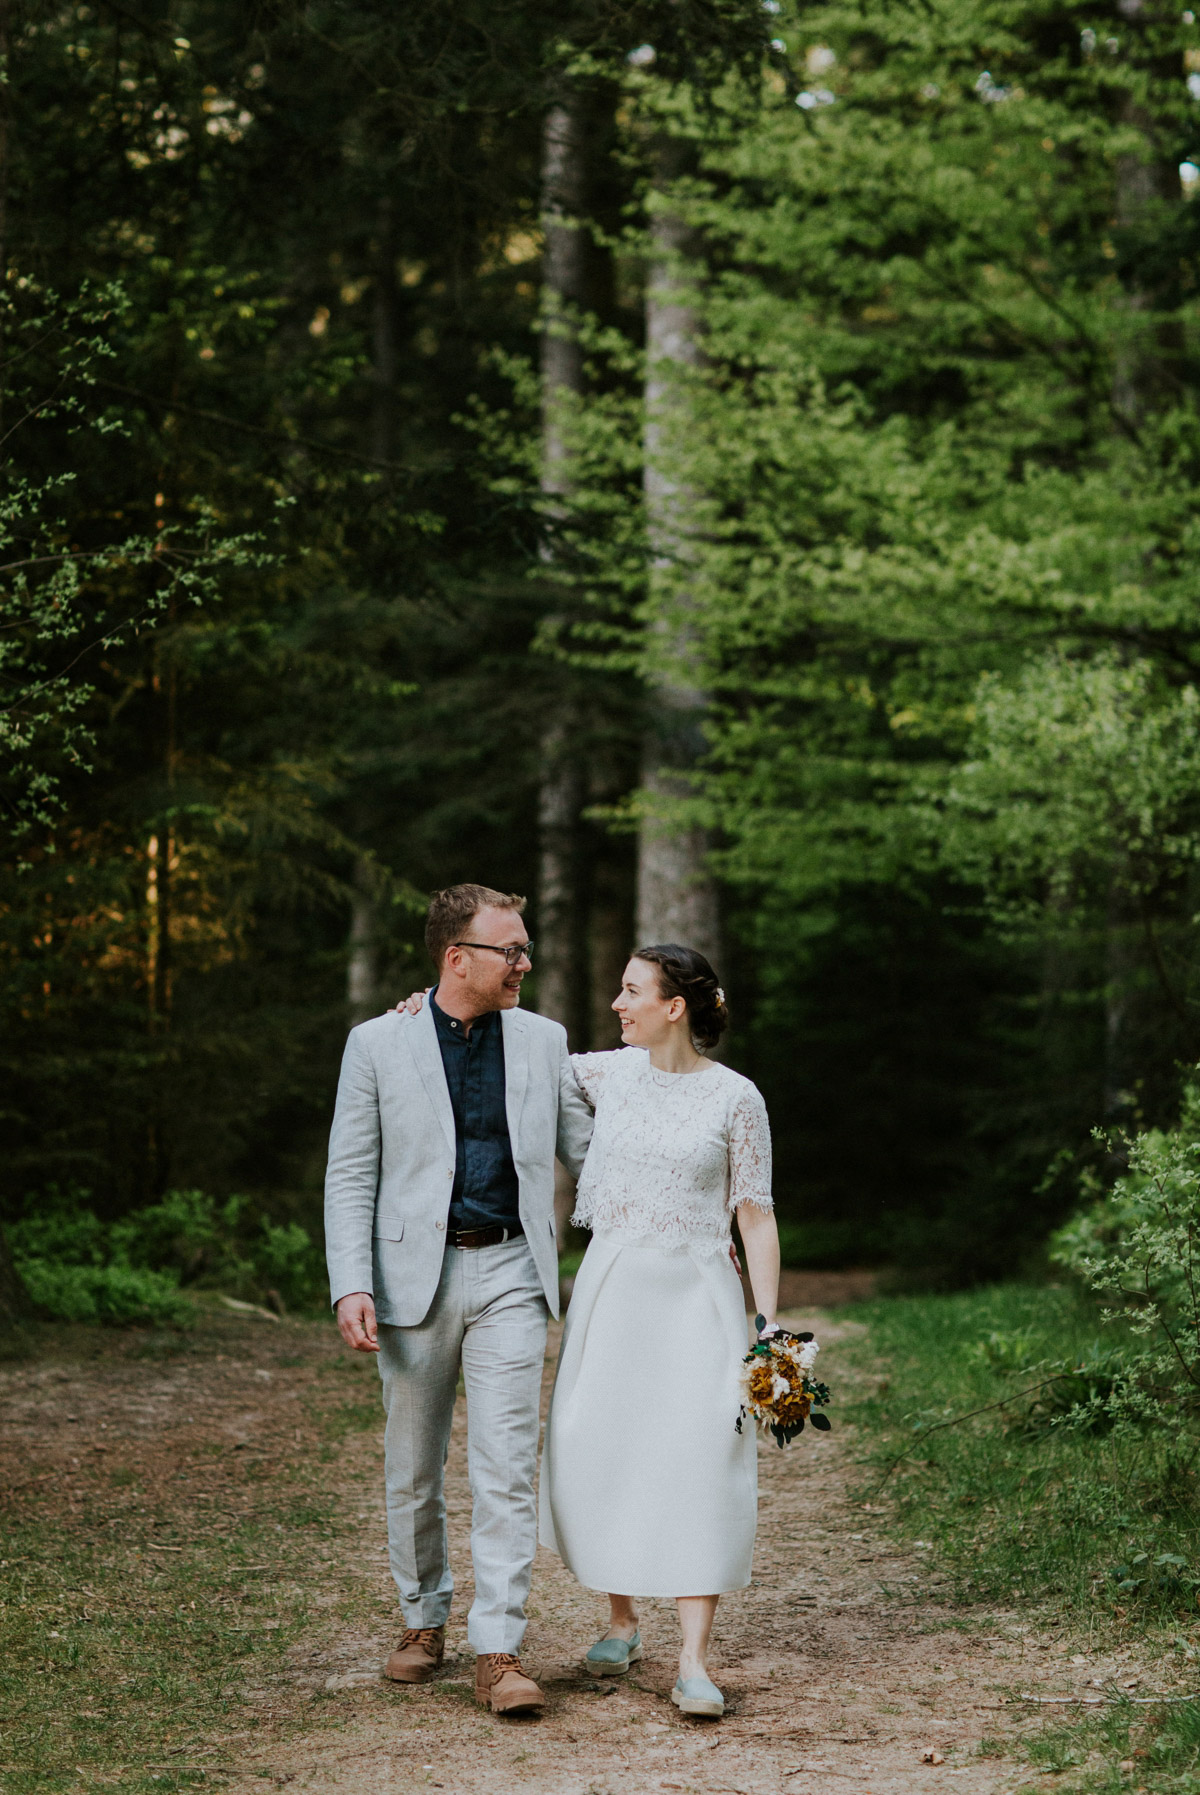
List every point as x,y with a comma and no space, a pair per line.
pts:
439,1224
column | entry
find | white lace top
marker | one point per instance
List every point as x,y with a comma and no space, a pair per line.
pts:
673,1153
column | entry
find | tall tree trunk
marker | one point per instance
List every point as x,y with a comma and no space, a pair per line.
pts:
609,947
560,982
676,893
363,971
362,960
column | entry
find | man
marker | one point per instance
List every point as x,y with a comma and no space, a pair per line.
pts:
439,1228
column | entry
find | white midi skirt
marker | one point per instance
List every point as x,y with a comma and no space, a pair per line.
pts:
646,1487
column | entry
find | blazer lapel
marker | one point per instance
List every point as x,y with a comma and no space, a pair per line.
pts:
516,1070
423,1044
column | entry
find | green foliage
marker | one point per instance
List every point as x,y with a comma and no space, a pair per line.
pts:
936,470
70,592
73,1270
1138,1246
934,550
109,1291
1074,770
1091,1531
239,748
79,1268
1024,1509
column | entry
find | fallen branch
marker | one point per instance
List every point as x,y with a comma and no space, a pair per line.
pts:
235,1302
823,1770
1101,1701
969,1416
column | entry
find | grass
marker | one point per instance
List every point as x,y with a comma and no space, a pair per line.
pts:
1020,1511
149,1599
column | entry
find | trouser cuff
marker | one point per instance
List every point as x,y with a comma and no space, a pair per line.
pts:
495,1636
428,1613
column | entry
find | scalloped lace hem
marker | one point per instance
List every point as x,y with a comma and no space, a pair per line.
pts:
672,1239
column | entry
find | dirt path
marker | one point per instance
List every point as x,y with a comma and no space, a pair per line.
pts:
840,1665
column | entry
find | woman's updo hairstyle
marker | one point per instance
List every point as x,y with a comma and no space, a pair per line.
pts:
682,972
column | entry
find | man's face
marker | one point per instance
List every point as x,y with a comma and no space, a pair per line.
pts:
483,978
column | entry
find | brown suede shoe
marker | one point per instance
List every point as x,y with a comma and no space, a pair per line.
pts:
502,1685
418,1657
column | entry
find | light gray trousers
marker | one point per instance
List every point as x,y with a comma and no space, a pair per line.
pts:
489,1316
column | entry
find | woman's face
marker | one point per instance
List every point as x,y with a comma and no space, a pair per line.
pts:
648,1019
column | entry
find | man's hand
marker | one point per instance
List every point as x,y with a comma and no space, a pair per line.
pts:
413,1004
733,1254
356,1322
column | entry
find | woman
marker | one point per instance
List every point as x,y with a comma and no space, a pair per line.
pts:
646,1487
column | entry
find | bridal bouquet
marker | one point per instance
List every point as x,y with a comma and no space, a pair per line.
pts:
778,1389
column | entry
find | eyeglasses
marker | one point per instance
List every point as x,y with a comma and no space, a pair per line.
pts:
511,954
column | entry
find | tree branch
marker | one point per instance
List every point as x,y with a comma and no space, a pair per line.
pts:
985,1410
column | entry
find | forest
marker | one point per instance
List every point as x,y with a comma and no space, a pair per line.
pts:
724,468
727,470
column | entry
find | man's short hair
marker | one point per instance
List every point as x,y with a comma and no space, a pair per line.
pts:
452,911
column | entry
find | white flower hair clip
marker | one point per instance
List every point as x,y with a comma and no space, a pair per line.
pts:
720,997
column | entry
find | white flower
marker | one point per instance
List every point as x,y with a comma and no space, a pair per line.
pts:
808,1355
779,1387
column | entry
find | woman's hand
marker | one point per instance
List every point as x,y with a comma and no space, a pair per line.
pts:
413,1004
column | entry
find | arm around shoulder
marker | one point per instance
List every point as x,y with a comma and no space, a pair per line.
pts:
575,1119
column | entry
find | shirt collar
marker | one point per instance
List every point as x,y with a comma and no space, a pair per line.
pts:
451,1029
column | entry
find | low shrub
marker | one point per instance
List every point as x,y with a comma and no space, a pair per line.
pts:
78,1267
1137,1246
112,1293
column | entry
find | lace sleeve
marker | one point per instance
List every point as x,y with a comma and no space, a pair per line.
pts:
591,1069
750,1152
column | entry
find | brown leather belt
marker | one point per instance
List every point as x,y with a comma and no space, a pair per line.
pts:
482,1237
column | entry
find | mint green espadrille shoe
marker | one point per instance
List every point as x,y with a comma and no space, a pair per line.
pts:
697,1695
612,1657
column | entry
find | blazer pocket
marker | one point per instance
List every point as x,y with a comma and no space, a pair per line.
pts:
389,1231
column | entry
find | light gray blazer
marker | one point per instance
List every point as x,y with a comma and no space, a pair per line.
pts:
392,1148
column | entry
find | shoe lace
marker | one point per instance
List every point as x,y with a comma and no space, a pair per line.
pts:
419,1636
502,1661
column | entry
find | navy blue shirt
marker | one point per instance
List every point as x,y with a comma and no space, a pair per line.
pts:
485,1192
